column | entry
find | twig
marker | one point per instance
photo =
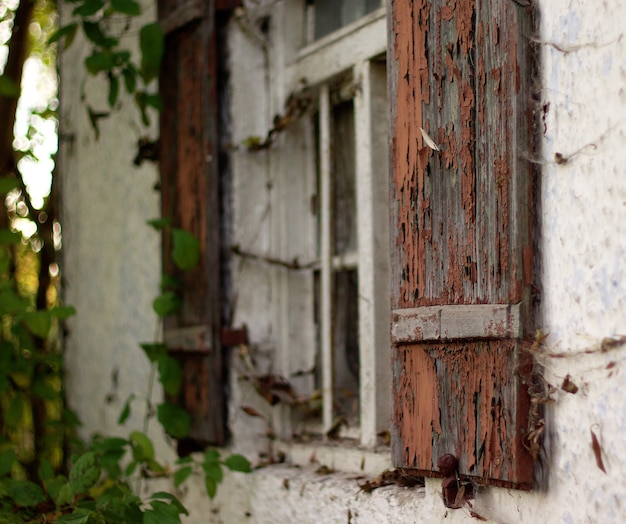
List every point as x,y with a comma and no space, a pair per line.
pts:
294,264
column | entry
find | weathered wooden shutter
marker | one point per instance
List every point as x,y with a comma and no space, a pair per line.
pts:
190,196
462,267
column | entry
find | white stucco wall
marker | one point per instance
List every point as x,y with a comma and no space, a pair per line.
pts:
112,270
111,257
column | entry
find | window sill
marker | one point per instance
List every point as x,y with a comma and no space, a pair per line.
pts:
344,456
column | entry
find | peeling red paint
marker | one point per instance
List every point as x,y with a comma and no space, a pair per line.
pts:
464,222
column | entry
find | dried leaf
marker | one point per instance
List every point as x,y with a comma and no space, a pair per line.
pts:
249,410
597,450
367,487
609,343
335,427
569,386
477,516
610,365
429,141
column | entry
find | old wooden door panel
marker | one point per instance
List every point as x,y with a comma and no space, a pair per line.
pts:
462,263
190,197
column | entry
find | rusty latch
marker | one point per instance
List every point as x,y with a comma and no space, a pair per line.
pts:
456,492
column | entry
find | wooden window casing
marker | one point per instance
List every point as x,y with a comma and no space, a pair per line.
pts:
190,198
462,235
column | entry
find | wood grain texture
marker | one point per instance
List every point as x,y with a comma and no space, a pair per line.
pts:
190,197
462,235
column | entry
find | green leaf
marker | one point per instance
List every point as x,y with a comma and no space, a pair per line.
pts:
170,375
211,455
186,249
154,351
174,419
127,7
8,183
99,61
238,462
169,282
154,101
166,304
181,475
8,88
45,470
125,410
85,472
11,303
26,493
114,89
211,486
54,486
160,223
38,322
213,470
142,446
151,43
130,80
7,458
10,237
68,32
161,513
114,443
16,410
66,495
62,312
88,8
94,32
78,516
172,499
43,390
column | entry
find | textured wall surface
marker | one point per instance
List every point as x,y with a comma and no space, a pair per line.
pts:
112,271
111,256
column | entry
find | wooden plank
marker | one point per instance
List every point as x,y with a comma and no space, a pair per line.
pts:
462,275
477,321
456,397
184,13
190,198
196,339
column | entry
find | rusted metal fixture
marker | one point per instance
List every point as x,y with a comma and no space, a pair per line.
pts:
456,493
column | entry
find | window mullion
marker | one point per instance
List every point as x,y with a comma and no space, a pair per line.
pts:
326,257
371,162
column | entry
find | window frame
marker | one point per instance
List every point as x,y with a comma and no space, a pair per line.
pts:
320,63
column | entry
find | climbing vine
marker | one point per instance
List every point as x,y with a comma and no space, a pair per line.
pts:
46,474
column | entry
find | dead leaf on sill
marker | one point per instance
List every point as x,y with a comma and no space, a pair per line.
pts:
324,470
335,427
597,450
399,477
249,410
569,386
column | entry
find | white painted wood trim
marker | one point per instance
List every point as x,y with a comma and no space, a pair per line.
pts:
435,323
372,216
338,52
326,258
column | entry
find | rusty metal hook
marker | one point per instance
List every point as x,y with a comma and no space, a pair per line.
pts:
455,492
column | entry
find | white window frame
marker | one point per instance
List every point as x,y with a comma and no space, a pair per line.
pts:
356,50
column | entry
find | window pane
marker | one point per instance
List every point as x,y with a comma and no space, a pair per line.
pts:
331,15
343,179
346,345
